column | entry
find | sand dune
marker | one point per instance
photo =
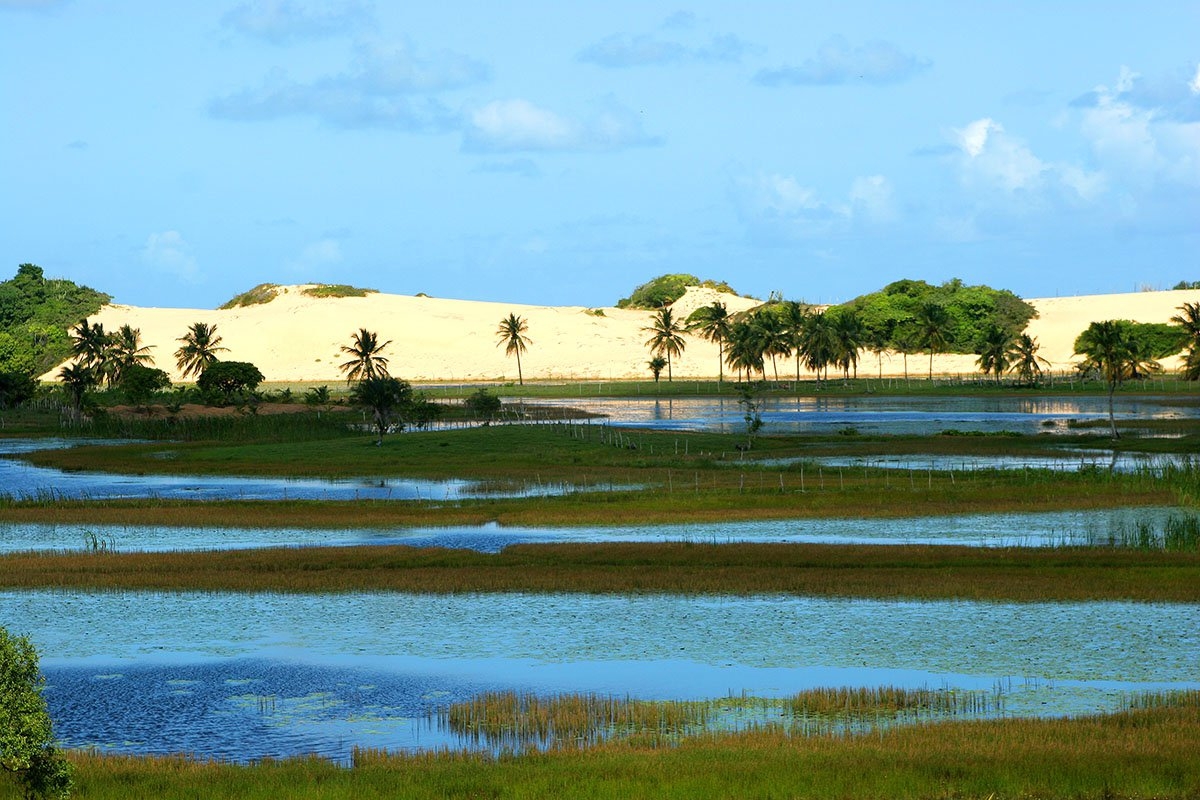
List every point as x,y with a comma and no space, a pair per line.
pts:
296,337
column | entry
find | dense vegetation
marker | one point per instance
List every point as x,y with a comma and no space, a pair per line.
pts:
337,290
666,289
895,314
35,313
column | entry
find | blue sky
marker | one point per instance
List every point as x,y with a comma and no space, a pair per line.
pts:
176,153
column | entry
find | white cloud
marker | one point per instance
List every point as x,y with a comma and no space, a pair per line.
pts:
169,252
836,62
519,125
387,86
1194,83
993,158
779,207
281,21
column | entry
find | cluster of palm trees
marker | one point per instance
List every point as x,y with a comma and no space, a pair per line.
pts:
104,358
1001,352
817,339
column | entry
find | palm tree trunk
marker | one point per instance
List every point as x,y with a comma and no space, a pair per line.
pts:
520,377
720,363
670,378
931,363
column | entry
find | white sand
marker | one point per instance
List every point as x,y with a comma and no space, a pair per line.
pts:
298,338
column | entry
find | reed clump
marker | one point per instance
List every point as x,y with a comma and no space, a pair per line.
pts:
890,700
512,719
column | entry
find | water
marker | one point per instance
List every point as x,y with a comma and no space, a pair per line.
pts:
20,479
877,415
243,676
1038,529
1070,460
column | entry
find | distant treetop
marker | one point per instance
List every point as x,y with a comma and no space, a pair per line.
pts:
666,289
35,313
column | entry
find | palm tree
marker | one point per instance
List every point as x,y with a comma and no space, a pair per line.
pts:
384,396
1025,360
126,350
847,340
77,379
512,336
366,361
1189,320
200,347
713,323
656,365
933,326
745,351
819,343
1109,349
795,317
773,336
995,351
667,338
92,348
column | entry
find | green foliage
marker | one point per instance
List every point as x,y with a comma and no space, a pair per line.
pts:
16,388
387,398
27,748
227,381
1186,285
483,404
139,383
35,313
263,293
666,289
337,290
889,314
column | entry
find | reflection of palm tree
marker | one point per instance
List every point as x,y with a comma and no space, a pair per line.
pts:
933,326
666,338
1025,360
200,347
512,335
712,323
366,361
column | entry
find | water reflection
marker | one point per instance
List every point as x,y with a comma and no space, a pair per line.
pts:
243,675
21,479
873,414
1041,529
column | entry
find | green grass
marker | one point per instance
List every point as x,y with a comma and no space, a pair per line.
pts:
901,571
1139,754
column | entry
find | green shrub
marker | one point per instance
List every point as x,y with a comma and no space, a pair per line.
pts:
666,289
263,293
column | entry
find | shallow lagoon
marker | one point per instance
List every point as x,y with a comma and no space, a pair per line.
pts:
1039,529
21,479
879,415
242,676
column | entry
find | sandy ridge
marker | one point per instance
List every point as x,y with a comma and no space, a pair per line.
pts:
296,337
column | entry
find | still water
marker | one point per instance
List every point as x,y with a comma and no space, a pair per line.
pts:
1041,529
247,675
879,415
21,479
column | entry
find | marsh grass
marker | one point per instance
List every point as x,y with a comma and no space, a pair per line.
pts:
1144,753
900,571
519,721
